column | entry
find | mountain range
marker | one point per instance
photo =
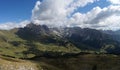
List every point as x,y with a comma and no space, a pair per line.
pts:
40,40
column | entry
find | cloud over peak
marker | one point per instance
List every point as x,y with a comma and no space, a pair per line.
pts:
56,12
62,13
11,25
66,13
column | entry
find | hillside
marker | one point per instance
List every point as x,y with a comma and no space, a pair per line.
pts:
39,40
80,38
37,47
14,46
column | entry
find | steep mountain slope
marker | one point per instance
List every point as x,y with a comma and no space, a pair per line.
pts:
114,34
91,39
30,42
39,40
84,39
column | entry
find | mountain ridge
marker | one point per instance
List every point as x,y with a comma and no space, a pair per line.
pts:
39,40
78,36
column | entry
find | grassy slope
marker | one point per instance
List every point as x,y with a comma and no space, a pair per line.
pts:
14,46
6,46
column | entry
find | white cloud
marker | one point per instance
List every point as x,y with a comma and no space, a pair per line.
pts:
56,12
107,18
115,1
11,25
111,23
97,18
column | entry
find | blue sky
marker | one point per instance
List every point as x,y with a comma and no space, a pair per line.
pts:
15,10
19,10
96,14
100,3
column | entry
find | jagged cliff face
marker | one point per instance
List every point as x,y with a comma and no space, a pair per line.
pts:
82,38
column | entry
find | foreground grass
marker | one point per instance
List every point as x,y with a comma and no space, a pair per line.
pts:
81,62
16,64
